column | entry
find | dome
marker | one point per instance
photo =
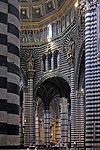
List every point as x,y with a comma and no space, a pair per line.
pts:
37,10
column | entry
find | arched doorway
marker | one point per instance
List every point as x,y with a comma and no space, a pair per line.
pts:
53,111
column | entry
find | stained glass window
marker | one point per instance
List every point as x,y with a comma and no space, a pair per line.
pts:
58,61
45,64
51,63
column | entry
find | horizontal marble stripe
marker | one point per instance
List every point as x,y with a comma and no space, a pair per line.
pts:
3,50
12,108
13,10
12,58
3,116
13,30
12,68
13,119
4,1
13,78
12,129
14,141
13,98
13,40
3,6
3,105
13,88
3,60
15,3
3,20
13,20
3,141
3,39
4,93
3,82
3,128
13,49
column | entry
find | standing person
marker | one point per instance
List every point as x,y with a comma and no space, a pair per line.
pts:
57,144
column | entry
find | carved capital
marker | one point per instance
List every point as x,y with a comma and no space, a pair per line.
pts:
30,73
77,94
64,102
25,89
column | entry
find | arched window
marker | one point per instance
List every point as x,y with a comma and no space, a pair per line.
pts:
52,63
49,61
56,59
44,63
49,32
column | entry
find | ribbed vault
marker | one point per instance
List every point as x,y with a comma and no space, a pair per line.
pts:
52,88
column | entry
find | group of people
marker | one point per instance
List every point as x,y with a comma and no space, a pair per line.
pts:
59,144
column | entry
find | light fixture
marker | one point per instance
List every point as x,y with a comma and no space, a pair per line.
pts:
76,3
82,90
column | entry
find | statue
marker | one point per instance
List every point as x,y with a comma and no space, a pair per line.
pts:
71,47
30,63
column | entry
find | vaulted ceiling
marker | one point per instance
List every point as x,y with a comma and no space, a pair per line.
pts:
53,88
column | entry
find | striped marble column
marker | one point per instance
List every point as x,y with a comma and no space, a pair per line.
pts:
73,109
3,73
64,121
29,112
58,124
9,73
58,130
13,76
31,107
98,71
36,129
47,127
78,130
91,78
26,115
80,118
98,30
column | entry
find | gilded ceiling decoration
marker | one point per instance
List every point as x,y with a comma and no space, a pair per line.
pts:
36,10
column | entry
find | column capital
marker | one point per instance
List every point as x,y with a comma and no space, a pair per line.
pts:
30,73
64,102
77,94
25,89
47,111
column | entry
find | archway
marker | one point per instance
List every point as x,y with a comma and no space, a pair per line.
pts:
53,96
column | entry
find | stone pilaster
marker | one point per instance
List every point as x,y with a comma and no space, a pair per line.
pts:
70,60
80,118
64,121
73,108
26,117
92,72
47,127
36,129
29,111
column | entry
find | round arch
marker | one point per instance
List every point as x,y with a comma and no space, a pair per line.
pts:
49,75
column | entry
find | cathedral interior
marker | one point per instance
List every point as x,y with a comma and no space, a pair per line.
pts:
50,73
